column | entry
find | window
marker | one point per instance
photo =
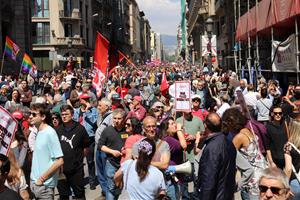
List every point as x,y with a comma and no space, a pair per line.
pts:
40,8
41,33
68,8
68,30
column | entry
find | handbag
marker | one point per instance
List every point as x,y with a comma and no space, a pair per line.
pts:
124,194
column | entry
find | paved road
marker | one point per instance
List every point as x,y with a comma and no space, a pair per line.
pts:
90,194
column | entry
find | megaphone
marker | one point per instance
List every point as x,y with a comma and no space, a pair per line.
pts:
184,168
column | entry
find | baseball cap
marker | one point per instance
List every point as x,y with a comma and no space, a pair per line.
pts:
84,96
17,115
137,98
196,96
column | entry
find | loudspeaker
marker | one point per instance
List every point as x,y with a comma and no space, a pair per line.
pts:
185,168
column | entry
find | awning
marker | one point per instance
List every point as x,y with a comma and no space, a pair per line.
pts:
278,13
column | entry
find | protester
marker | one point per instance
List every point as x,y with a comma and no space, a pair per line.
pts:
87,115
105,120
74,141
277,136
26,94
47,154
141,179
274,184
217,160
111,142
14,103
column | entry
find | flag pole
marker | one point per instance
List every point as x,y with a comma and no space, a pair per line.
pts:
2,63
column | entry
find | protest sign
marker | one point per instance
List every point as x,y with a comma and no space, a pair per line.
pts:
8,128
183,96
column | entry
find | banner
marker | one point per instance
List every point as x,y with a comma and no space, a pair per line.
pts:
285,55
183,96
205,43
100,62
8,128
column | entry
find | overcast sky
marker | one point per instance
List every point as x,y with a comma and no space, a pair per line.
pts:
163,15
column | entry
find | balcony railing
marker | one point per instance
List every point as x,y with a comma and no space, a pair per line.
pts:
75,41
74,15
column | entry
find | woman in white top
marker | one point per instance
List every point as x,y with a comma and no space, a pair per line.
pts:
140,179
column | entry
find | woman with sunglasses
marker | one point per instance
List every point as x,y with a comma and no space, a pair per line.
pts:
56,119
277,137
134,130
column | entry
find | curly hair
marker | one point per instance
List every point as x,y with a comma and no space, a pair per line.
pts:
233,120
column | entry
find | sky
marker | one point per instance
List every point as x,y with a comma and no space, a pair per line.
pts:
163,15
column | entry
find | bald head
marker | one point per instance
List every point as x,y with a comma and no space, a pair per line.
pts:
213,122
149,127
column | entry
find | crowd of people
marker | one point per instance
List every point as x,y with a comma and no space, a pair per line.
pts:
134,139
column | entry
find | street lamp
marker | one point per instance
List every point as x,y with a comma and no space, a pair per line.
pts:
209,29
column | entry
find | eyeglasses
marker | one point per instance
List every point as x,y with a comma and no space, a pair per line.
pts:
274,190
277,113
196,100
159,107
34,114
150,127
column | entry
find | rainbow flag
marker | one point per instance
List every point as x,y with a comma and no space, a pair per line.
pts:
11,49
26,63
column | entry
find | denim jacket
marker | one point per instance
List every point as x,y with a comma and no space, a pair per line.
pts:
89,119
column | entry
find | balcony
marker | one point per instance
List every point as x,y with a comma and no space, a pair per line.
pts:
66,41
66,15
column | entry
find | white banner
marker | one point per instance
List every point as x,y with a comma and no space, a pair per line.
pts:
183,96
8,128
285,55
205,42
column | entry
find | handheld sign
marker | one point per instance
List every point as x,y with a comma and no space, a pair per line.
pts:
183,96
8,128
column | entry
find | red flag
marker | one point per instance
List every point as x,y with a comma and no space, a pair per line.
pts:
100,62
101,53
164,83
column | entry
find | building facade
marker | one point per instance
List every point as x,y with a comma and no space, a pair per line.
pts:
61,29
15,22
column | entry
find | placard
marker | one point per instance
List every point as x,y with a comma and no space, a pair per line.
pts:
8,128
183,96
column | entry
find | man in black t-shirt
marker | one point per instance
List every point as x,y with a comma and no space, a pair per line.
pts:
74,140
6,193
111,142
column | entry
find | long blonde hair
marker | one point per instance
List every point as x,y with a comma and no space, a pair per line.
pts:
294,129
13,177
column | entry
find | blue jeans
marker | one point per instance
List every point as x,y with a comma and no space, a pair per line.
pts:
295,187
173,190
113,191
100,163
91,162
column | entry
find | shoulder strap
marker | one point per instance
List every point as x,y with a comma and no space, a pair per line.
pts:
128,170
159,144
287,129
264,104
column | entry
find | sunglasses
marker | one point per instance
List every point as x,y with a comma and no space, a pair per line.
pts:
34,114
196,100
277,113
127,124
274,190
159,107
54,118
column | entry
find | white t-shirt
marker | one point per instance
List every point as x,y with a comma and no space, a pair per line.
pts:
147,189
